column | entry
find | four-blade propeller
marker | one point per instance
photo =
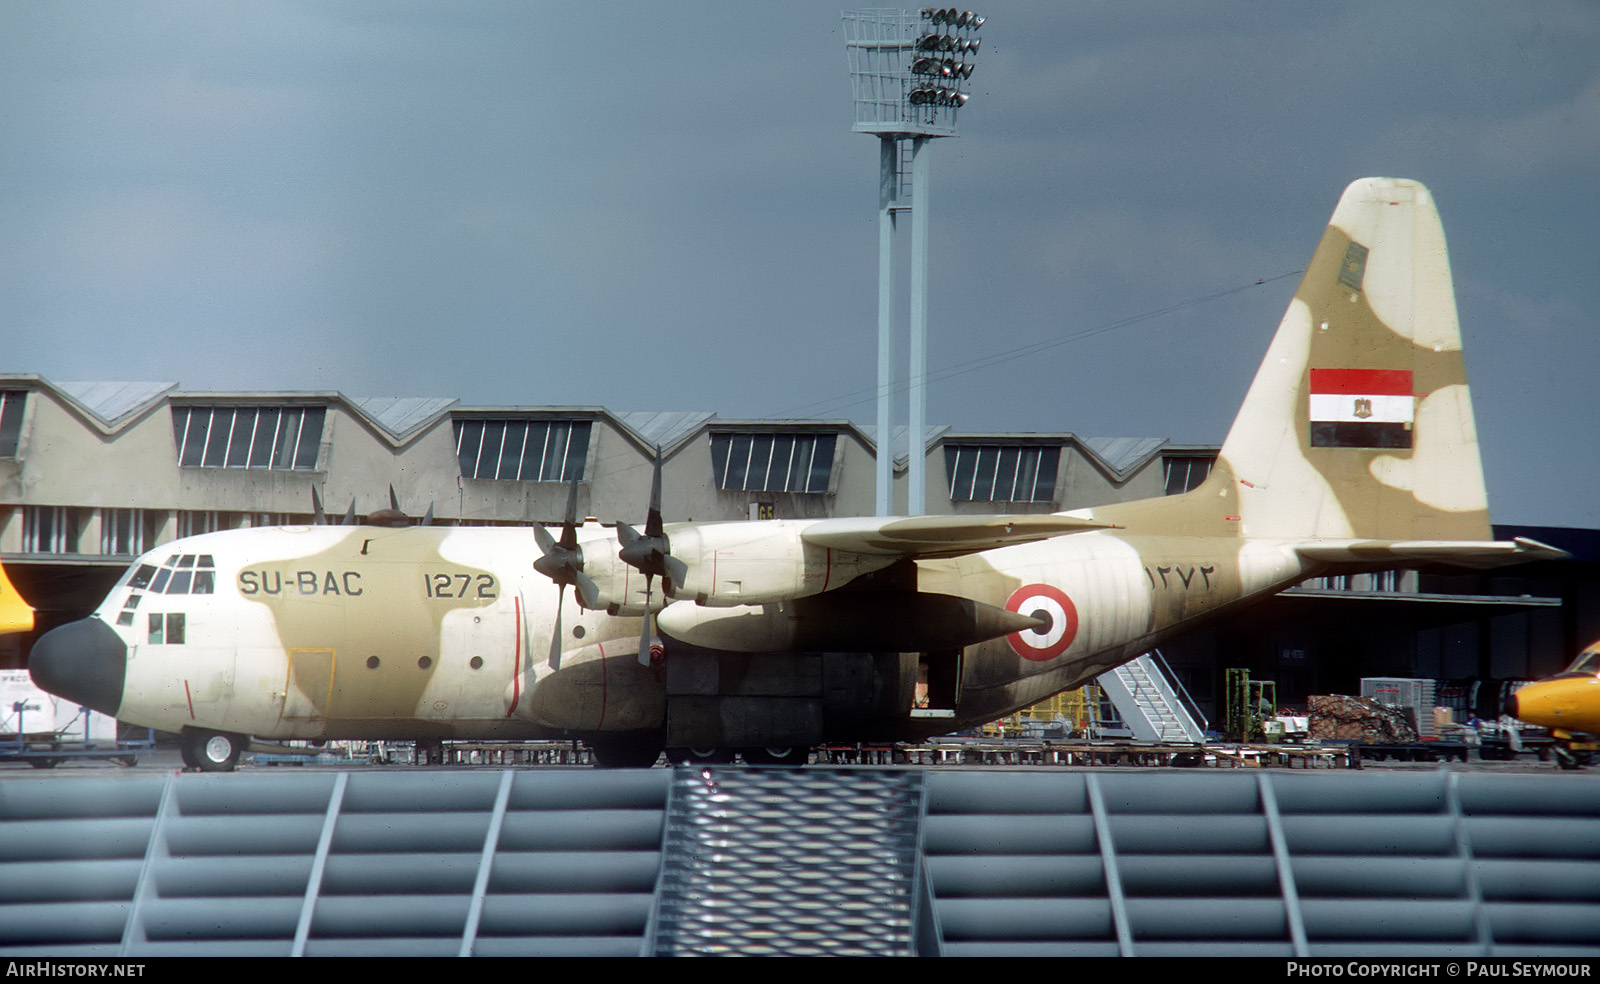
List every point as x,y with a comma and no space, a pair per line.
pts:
320,518
562,562
650,553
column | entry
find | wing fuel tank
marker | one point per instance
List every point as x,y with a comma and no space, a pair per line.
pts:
873,621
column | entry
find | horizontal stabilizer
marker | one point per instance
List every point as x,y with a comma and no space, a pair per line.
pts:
939,536
1481,554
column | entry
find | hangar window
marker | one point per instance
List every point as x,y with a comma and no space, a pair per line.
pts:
248,437
1002,472
193,522
1184,472
522,450
128,532
51,529
11,404
773,462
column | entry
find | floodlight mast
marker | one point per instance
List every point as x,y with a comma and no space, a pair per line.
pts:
906,71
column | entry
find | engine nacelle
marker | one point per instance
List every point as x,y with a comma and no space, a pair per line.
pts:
876,621
756,563
725,564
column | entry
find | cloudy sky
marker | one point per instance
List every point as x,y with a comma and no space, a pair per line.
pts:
661,206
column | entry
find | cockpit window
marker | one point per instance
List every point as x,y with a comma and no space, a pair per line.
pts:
185,574
1587,663
167,630
180,574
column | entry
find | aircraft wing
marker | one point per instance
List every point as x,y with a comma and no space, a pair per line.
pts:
940,536
1482,554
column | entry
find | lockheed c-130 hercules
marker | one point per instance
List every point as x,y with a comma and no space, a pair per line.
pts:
1355,450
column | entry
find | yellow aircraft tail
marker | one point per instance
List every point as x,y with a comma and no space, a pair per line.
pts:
16,615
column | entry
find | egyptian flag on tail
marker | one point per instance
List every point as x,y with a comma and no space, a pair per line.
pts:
1362,408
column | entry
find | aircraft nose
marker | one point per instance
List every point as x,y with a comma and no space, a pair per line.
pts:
84,661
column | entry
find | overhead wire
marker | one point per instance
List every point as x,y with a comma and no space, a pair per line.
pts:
860,396
821,408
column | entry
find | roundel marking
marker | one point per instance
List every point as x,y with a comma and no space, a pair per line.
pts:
1050,642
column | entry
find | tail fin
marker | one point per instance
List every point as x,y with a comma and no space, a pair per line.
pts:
16,615
1359,423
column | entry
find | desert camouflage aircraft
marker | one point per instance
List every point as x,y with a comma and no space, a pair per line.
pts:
1355,450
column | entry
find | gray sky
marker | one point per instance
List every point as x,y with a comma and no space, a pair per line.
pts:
661,206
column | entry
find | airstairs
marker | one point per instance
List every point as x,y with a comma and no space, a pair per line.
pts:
1148,703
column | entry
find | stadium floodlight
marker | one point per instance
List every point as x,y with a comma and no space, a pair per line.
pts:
932,96
908,86
893,53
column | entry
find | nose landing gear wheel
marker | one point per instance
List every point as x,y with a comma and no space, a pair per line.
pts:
211,751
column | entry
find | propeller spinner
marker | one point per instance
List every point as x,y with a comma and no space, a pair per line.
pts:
393,517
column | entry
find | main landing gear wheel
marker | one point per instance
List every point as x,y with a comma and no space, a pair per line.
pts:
1566,758
211,751
700,756
625,753
775,755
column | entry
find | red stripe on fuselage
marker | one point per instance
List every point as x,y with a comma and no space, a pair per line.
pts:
516,661
601,646
1362,382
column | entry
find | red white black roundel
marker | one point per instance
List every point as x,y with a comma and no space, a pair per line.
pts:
1052,605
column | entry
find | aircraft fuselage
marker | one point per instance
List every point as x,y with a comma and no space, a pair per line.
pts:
429,632
1355,449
